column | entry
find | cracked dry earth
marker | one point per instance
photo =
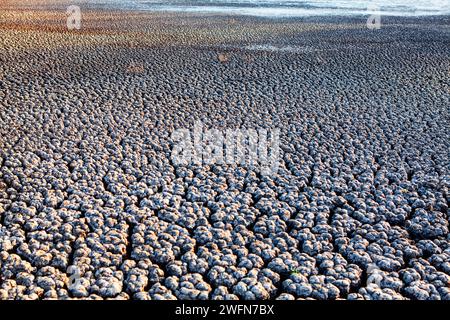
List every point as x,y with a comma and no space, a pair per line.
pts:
91,205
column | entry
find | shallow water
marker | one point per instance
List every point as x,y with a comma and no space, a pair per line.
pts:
290,7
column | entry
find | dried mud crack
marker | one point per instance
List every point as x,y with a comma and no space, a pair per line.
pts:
87,183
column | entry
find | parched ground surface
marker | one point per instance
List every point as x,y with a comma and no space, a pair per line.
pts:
91,206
